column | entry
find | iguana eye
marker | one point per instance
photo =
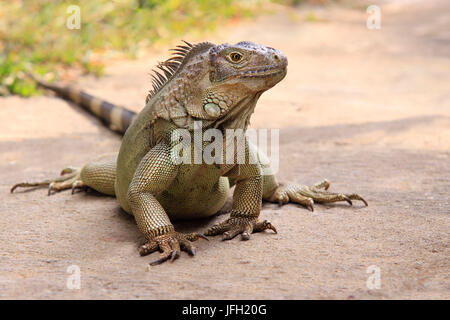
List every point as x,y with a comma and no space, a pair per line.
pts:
235,57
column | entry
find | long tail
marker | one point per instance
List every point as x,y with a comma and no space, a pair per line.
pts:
115,117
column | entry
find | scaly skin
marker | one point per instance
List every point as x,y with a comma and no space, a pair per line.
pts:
219,86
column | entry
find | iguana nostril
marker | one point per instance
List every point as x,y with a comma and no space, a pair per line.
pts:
276,57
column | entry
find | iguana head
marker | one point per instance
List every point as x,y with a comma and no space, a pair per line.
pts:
239,72
217,83
253,67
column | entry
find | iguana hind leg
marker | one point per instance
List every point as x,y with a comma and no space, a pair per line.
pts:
69,179
304,195
99,175
308,195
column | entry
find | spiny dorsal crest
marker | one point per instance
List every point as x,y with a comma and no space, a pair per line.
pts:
169,68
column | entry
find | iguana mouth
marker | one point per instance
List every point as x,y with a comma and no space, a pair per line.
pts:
258,73
262,72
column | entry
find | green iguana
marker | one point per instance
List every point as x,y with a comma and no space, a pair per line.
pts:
218,85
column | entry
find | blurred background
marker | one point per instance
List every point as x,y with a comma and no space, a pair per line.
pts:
35,33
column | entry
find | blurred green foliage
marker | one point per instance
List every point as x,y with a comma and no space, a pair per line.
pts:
34,35
289,2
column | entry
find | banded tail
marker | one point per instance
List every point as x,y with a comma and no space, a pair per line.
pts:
116,117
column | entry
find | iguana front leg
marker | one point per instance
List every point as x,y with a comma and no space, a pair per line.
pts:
154,174
247,199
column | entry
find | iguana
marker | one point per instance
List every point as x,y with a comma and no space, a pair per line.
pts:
217,85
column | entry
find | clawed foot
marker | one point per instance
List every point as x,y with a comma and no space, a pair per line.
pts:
233,226
70,179
170,246
307,196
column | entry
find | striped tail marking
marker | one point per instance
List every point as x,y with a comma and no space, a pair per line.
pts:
118,117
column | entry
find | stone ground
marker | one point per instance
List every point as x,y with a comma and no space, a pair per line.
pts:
367,109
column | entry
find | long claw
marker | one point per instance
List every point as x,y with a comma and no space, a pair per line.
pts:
50,186
271,227
175,254
14,187
190,249
78,184
348,200
325,184
264,225
357,197
364,201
